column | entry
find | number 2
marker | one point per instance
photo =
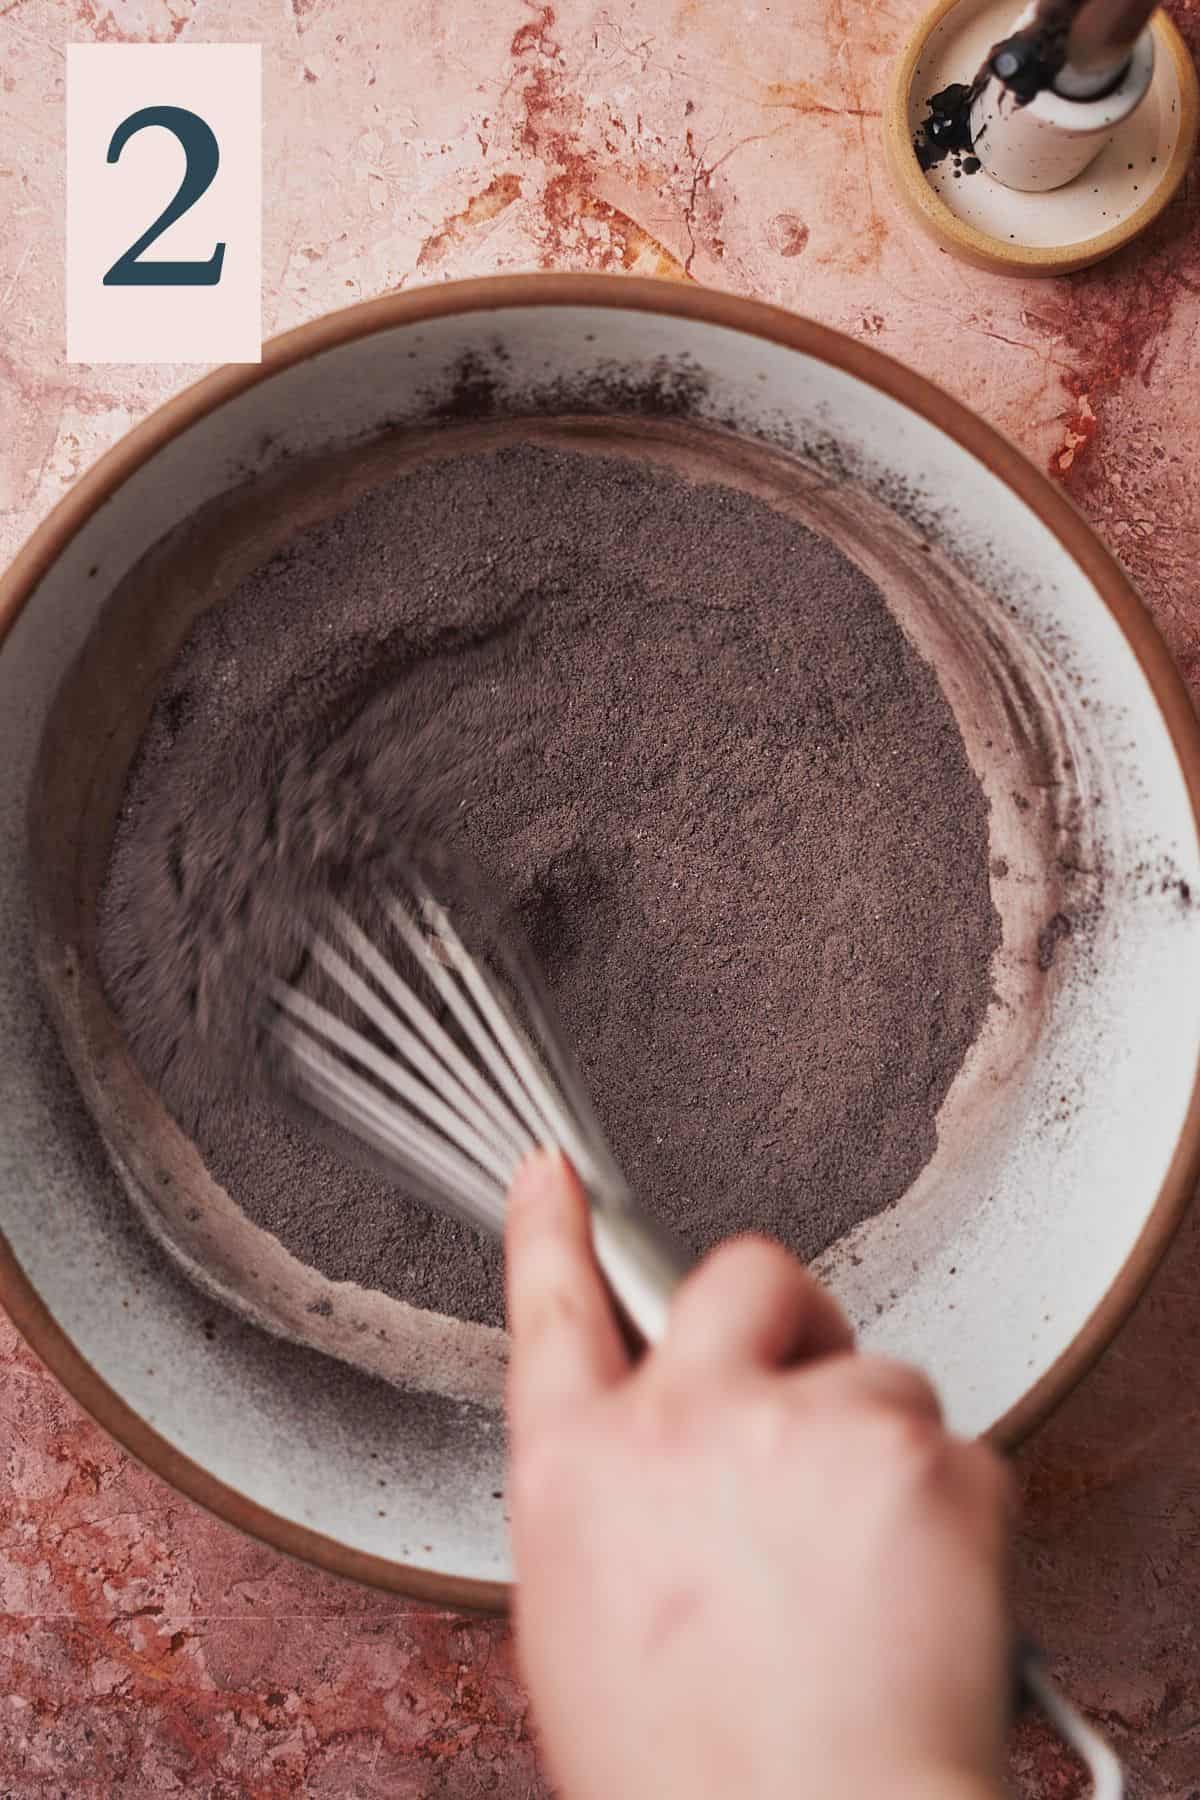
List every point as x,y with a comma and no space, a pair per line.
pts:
203,158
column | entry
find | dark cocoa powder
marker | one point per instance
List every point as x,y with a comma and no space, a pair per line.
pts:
728,799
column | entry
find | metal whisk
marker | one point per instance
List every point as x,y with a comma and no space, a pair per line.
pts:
436,1073
449,1072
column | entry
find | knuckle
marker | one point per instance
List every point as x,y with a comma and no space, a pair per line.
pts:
557,1306
758,1259
743,1260
906,1445
548,1309
907,1388
663,1412
547,1262
768,1423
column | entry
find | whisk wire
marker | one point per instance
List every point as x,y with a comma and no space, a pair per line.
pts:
462,997
557,1125
443,1094
324,1025
461,1124
386,1128
476,1096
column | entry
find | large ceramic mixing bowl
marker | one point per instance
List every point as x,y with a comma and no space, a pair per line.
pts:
1068,1142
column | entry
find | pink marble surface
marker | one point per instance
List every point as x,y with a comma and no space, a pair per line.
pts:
146,1650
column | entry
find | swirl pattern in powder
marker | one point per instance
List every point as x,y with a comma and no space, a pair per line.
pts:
729,799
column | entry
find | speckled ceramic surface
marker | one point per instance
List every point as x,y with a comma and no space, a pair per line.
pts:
1144,148
1067,1142
1049,143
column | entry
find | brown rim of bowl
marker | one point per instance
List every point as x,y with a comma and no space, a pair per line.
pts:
755,319
996,254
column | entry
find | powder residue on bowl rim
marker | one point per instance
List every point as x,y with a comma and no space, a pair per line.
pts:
728,798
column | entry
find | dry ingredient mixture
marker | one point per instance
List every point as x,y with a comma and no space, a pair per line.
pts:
728,799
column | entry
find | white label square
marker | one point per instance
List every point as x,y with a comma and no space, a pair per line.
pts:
183,126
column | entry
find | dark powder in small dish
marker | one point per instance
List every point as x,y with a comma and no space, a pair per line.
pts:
727,798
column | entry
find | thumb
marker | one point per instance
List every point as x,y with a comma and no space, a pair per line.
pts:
565,1341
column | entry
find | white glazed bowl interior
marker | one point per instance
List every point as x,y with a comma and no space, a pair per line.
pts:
1059,1141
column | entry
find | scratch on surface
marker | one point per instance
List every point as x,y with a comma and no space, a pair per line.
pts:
16,275
754,137
1016,343
701,182
800,97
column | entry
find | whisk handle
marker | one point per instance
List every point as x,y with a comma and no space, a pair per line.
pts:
1034,1688
642,1263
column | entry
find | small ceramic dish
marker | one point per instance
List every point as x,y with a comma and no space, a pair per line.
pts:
1068,1145
1010,232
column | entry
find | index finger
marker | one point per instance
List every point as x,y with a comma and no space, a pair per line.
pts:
566,1344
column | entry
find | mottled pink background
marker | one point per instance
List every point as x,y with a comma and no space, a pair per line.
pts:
149,1651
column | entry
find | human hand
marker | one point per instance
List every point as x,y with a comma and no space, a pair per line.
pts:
755,1564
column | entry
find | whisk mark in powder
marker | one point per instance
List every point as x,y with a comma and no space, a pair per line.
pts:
727,798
